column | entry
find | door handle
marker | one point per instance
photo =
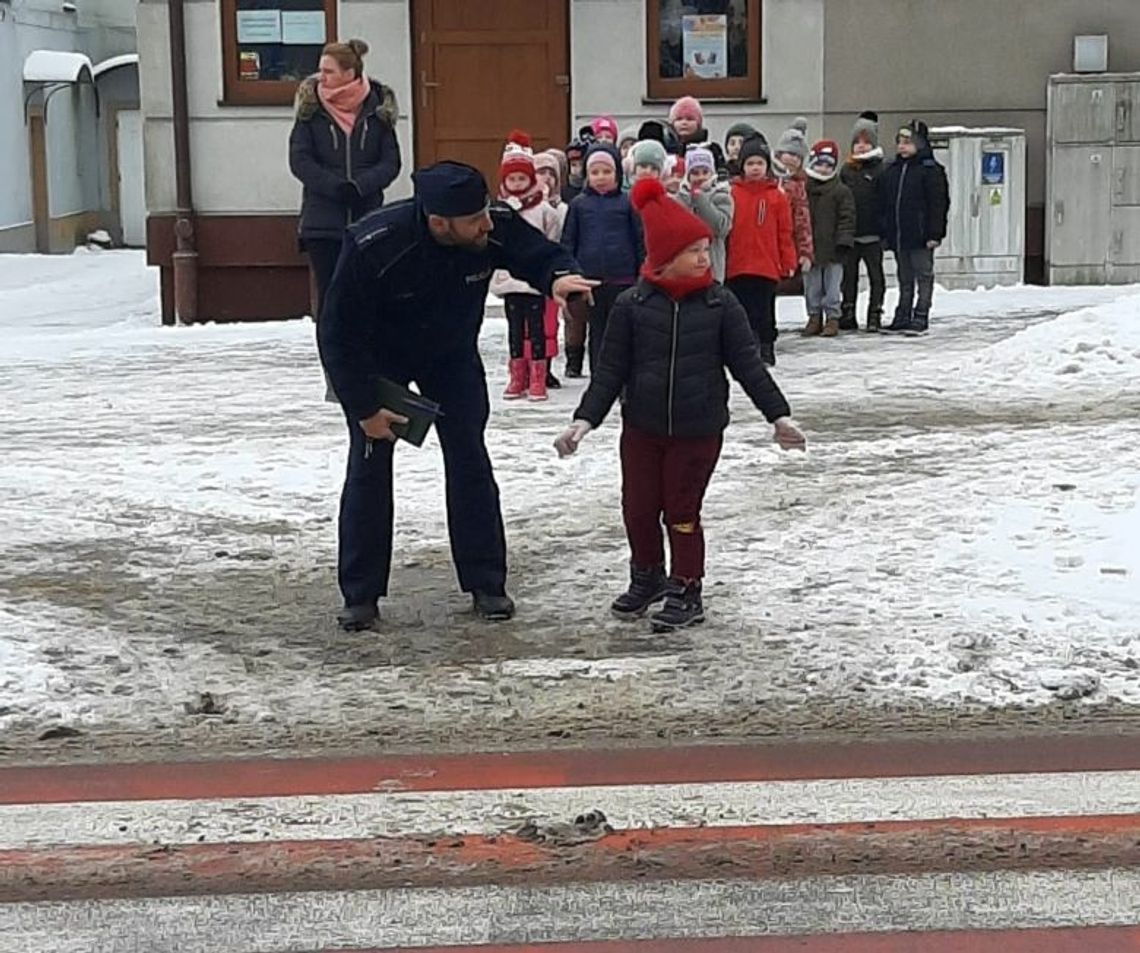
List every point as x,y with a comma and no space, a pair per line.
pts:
425,85
1059,212
975,204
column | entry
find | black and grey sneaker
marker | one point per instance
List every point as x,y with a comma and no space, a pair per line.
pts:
358,618
683,608
899,325
493,607
646,586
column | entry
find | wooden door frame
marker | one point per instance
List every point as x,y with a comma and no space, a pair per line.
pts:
41,198
423,104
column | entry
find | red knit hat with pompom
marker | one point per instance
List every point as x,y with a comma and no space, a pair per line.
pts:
670,228
518,157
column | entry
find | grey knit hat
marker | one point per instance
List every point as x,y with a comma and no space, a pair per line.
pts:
628,134
866,125
793,139
649,152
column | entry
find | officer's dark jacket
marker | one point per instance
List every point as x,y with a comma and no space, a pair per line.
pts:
324,158
401,303
915,202
670,356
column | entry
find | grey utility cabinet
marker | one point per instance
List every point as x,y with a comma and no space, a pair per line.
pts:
1092,222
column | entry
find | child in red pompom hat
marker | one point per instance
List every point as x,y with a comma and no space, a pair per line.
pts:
525,307
668,342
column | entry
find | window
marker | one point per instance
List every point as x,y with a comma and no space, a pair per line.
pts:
268,46
704,48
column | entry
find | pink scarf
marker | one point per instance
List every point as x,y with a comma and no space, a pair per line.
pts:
343,103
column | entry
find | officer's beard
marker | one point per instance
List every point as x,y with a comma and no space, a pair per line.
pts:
451,237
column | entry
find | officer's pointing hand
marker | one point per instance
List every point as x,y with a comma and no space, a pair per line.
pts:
568,285
379,425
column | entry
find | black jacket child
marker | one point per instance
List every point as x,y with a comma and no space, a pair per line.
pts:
862,176
670,358
915,201
328,163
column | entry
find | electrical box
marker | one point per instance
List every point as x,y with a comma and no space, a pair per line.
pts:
985,235
1092,220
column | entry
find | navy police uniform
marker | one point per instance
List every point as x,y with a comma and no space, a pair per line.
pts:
403,306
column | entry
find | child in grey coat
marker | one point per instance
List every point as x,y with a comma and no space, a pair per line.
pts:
710,200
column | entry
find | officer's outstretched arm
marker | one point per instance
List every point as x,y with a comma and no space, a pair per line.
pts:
346,334
525,252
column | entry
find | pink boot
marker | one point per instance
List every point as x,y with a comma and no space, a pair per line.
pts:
538,380
516,382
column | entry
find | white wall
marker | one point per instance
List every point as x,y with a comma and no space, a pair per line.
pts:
609,66
226,180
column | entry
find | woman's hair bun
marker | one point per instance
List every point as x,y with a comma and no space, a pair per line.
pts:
359,47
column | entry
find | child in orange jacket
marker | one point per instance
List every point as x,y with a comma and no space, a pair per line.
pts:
761,249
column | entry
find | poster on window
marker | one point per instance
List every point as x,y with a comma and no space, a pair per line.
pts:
258,26
705,46
303,27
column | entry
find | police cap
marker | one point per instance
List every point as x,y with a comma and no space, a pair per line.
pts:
451,189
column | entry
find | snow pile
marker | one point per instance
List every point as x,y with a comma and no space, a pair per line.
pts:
1097,348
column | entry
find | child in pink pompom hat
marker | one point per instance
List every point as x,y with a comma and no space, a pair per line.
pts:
605,129
687,119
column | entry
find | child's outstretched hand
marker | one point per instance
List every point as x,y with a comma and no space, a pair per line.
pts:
789,436
568,441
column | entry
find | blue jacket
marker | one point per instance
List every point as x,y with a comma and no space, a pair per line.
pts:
401,303
325,160
603,232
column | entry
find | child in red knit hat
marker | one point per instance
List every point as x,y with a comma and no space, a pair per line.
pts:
525,307
667,344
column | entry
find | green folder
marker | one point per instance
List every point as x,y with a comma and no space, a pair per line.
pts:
420,411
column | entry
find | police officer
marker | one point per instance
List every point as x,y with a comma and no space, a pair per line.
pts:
406,303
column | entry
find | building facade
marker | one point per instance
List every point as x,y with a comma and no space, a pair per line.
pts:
68,110
466,72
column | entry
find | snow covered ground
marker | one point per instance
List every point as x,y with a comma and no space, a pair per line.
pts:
961,545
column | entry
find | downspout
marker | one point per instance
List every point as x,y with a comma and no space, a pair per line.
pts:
185,257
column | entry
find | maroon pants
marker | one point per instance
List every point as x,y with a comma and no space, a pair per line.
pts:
666,477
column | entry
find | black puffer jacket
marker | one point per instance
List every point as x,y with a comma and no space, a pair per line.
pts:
670,358
916,202
325,160
862,178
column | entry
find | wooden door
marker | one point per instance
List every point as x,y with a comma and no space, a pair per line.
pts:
37,142
483,67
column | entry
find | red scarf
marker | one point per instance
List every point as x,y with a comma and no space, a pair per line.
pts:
677,288
344,102
528,199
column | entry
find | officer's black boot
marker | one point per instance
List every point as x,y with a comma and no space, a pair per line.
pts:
493,607
847,320
358,618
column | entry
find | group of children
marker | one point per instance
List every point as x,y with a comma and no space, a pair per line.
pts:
689,244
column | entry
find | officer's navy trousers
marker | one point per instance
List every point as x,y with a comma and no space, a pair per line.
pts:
474,516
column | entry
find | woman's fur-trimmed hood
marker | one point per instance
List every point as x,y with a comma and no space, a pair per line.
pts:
306,103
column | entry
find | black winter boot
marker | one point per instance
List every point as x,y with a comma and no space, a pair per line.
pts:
874,321
683,607
358,618
847,321
646,586
492,607
900,323
919,325
575,356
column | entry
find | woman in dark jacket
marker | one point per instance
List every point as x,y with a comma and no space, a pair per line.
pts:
667,345
344,150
